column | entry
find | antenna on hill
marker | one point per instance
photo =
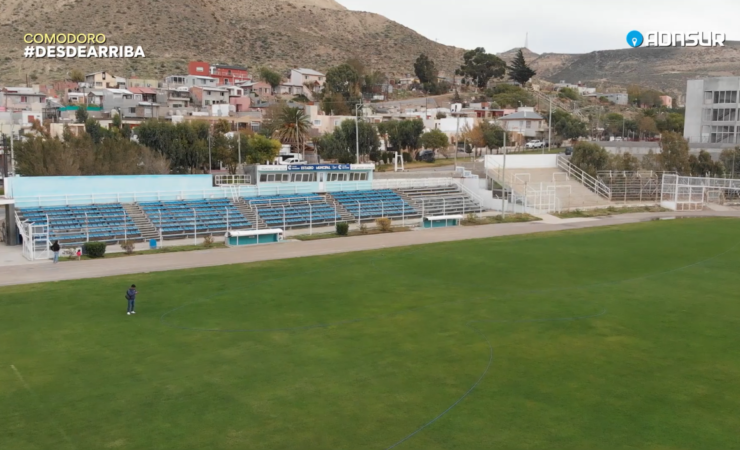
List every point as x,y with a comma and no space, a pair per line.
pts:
526,40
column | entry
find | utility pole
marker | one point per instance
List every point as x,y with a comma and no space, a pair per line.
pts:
210,165
12,153
239,144
549,131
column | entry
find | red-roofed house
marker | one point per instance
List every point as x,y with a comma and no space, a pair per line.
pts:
144,94
227,75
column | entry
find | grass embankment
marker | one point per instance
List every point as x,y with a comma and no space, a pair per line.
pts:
472,220
610,211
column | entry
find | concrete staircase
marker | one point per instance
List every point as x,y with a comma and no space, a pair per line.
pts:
145,226
250,213
341,210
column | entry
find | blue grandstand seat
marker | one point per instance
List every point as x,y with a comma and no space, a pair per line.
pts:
374,203
294,210
72,225
210,215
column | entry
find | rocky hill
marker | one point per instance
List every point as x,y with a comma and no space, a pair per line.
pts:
661,68
276,33
309,33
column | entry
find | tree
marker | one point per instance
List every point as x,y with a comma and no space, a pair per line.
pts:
344,80
613,123
509,95
705,166
730,159
519,71
425,69
293,126
270,77
651,161
624,162
647,126
479,67
334,104
76,76
409,134
434,139
590,157
568,93
81,114
369,140
674,153
567,126
334,146
262,149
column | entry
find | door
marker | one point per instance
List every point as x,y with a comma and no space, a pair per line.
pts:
322,181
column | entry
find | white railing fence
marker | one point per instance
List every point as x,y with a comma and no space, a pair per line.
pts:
585,179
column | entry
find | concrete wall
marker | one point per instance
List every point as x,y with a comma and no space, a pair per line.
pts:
522,161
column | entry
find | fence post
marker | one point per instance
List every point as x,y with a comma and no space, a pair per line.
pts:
161,240
87,229
284,218
195,227
359,213
125,233
227,218
382,209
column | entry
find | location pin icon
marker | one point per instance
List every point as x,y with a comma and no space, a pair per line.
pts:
634,42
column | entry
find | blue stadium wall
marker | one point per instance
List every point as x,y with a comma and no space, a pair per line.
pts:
85,190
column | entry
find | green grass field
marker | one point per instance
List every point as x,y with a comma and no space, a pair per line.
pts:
612,338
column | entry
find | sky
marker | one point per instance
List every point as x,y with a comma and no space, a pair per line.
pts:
554,26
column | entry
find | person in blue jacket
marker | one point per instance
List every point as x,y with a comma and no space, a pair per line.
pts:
131,297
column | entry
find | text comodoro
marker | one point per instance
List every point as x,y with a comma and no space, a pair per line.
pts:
61,38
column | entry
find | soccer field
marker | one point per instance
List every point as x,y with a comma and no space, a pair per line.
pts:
606,338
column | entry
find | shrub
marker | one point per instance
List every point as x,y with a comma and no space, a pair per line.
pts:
406,157
68,253
208,241
384,224
342,228
94,249
128,247
363,228
471,218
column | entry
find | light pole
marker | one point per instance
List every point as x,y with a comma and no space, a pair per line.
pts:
357,132
503,182
210,166
239,145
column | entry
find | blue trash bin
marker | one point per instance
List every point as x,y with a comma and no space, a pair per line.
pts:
152,244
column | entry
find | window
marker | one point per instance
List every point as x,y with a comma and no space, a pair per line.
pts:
222,94
24,99
317,122
304,177
98,83
132,110
197,69
723,134
706,115
358,176
529,124
724,115
337,177
725,97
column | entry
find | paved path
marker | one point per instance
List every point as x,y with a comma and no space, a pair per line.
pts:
35,273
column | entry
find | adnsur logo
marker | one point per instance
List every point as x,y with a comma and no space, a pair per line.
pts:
672,39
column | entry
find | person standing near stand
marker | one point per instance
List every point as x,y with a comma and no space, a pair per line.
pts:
131,297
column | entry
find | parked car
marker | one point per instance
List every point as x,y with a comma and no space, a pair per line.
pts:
534,144
568,151
425,155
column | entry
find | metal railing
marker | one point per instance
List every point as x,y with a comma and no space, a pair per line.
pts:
585,179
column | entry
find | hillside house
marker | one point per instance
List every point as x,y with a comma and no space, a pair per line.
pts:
203,97
225,75
144,94
312,80
525,122
105,80
14,99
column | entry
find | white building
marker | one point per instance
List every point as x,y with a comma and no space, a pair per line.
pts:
712,114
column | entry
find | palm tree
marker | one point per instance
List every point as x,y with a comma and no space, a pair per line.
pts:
293,126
